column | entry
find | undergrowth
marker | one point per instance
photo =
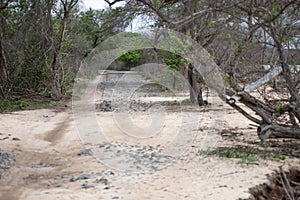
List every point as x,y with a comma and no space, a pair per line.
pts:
23,105
243,154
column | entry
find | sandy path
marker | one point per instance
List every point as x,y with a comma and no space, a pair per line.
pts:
47,159
191,177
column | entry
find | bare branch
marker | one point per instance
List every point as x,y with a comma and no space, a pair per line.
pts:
156,11
243,112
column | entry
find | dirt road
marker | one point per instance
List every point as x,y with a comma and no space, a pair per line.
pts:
53,160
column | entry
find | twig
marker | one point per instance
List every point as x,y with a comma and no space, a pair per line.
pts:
254,125
295,183
287,187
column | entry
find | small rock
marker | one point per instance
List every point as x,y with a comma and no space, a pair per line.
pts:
85,152
6,160
102,180
87,186
115,198
72,179
64,176
82,177
220,186
16,139
85,176
111,173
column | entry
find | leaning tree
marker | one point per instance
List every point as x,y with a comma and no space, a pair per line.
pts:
271,28
243,36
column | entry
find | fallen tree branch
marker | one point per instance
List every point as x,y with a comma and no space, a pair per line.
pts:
243,112
277,131
252,86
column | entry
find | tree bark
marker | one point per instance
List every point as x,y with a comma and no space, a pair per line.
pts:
195,87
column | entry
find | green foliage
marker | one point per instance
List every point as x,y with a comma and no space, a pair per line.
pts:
279,106
115,20
88,23
33,34
211,56
227,79
157,3
245,154
7,105
32,73
272,155
277,155
209,23
21,105
239,48
172,60
130,57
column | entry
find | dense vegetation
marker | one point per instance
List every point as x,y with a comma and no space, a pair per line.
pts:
43,42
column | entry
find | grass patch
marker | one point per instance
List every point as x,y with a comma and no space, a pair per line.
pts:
276,155
244,154
272,155
24,105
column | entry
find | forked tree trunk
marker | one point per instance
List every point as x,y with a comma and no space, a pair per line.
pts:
56,67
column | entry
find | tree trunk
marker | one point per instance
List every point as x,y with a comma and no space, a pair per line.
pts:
56,67
3,61
191,82
195,87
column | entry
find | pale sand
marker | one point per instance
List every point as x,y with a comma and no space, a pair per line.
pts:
51,137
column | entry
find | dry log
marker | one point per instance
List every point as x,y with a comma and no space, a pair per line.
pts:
278,131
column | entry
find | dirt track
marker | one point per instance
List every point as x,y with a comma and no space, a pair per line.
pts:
48,164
